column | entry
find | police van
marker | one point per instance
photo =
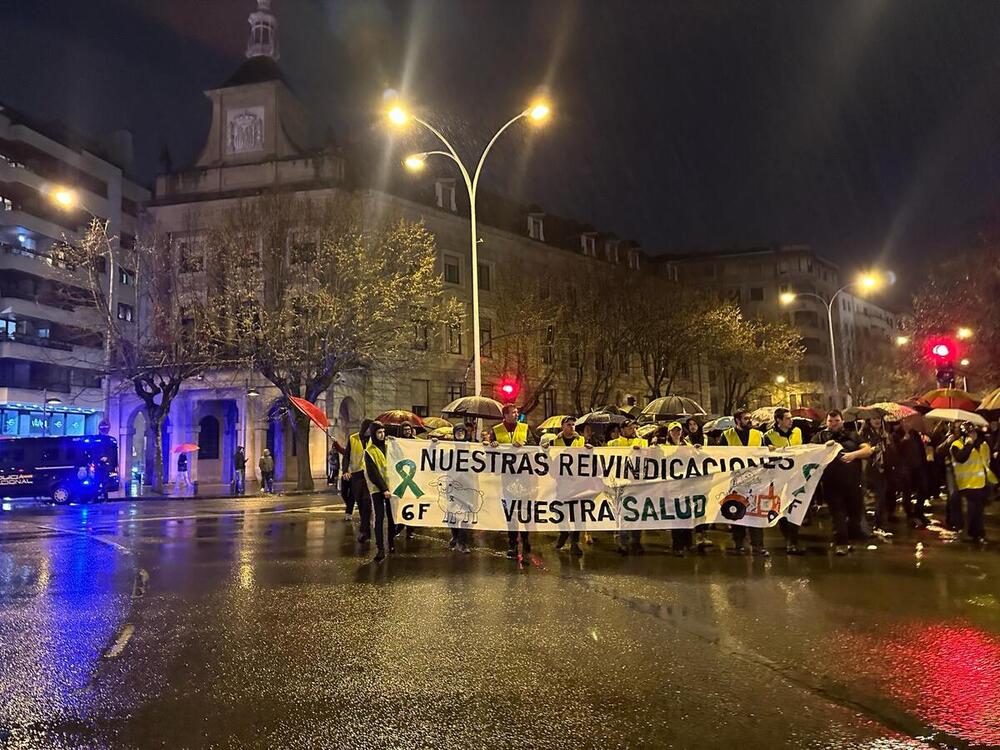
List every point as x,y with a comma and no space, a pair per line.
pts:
63,469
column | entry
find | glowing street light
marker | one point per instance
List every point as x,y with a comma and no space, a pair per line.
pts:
964,333
965,363
787,298
902,340
780,379
537,113
868,281
64,198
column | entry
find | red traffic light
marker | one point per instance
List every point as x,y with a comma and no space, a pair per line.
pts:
942,350
508,388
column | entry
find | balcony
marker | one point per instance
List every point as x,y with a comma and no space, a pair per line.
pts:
54,258
44,342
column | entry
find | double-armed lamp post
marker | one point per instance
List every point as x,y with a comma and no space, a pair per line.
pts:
537,113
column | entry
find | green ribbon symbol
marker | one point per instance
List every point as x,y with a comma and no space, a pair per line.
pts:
407,469
808,469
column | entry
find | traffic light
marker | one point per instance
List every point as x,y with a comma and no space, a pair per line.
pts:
508,388
943,353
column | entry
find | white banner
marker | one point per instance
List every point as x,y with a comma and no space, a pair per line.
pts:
468,485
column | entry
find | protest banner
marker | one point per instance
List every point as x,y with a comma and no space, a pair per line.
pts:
468,485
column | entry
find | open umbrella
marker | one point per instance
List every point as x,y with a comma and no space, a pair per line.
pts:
480,407
763,415
895,412
957,415
991,402
667,407
552,423
398,416
648,430
184,448
917,404
951,398
855,413
809,413
433,423
312,411
442,433
719,425
601,418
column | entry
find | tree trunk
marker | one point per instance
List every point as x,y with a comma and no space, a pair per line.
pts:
156,423
302,430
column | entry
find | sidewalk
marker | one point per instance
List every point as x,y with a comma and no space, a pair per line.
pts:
217,491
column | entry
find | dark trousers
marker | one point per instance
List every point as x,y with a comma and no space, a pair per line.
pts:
512,540
360,496
790,531
953,516
573,536
267,481
383,514
460,536
345,492
681,539
847,507
976,505
740,534
885,503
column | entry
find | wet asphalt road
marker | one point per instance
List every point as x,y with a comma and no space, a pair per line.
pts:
260,623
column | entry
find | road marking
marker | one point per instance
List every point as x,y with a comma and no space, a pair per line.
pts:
120,642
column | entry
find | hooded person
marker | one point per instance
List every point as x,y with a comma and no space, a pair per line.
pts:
378,489
693,432
354,475
681,540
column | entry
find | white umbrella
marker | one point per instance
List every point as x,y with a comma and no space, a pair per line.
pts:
956,415
722,423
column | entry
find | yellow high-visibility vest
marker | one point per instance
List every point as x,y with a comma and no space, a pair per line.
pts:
501,435
780,441
624,442
575,442
357,454
974,473
379,458
756,437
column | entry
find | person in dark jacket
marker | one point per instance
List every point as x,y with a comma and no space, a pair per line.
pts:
693,433
876,473
378,489
239,471
354,475
266,466
842,480
460,537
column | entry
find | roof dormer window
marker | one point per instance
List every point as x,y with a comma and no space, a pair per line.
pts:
444,191
611,251
588,243
633,260
536,227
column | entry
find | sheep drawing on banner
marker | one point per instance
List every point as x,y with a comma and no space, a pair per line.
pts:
459,503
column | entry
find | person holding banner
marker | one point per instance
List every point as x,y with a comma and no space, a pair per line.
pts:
629,540
782,435
459,536
681,540
743,433
354,475
842,480
569,438
378,489
693,433
511,432
970,456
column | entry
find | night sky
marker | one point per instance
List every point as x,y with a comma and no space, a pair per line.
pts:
869,129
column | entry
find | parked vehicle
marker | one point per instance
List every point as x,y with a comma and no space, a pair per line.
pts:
63,468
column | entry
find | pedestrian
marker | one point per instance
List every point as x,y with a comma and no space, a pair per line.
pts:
783,435
378,489
681,540
613,432
873,432
629,540
970,456
694,435
239,471
354,475
406,432
333,462
953,518
511,432
842,480
266,466
182,472
569,438
914,449
460,537
743,433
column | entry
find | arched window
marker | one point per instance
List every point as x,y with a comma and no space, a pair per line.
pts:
208,438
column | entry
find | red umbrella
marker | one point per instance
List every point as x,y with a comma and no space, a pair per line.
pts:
312,411
951,398
917,404
398,416
808,413
184,448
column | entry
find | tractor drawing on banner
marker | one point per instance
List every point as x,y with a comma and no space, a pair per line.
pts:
738,505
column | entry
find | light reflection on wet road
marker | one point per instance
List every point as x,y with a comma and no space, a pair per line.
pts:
263,625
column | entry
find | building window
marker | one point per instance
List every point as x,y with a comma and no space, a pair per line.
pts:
486,337
451,270
633,261
444,192
419,336
536,227
805,318
588,243
455,391
455,339
549,402
126,241
208,438
191,261
485,281
126,277
419,397
125,312
611,251
756,294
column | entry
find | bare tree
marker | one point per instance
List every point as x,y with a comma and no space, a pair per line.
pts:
309,293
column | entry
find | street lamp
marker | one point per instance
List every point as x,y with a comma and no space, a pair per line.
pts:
867,281
69,200
902,340
964,333
965,363
538,112
783,381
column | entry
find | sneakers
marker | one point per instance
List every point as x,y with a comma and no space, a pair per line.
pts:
679,552
794,549
464,549
701,539
452,543
512,553
738,549
379,556
841,549
760,552
575,549
560,542
363,538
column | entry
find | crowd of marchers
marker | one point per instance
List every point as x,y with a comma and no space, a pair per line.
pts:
879,460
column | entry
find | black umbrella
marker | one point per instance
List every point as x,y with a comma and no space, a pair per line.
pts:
480,407
601,418
855,413
668,407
